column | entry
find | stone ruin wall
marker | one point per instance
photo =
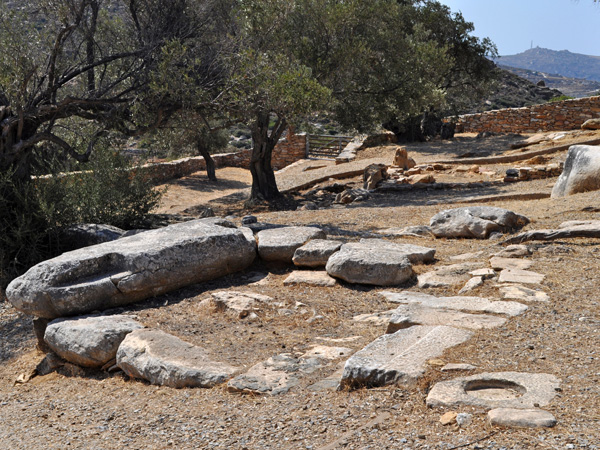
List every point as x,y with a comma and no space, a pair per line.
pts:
558,116
286,152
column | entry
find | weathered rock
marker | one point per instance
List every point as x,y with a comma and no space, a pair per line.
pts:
448,418
483,273
378,262
373,174
89,341
416,231
471,285
458,367
402,160
495,390
514,251
315,253
521,418
131,269
475,304
467,256
279,244
351,196
500,263
520,276
475,222
241,303
86,234
166,360
591,124
311,278
447,276
399,357
581,172
406,316
280,373
518,292
425,178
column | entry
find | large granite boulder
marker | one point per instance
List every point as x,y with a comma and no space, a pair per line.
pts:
581,172
166,360
279,244
475,222
90,341
132,269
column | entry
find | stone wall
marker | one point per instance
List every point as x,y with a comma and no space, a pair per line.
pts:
565,115
286,152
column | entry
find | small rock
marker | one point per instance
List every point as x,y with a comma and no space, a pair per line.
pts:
453,367
471,285
247,220
520,276
464,419
447,276
518,292
448,418
475,222
241,303
514,251
310,278
279,244
521,418
499,263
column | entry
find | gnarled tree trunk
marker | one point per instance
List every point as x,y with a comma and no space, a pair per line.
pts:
264,185
210,163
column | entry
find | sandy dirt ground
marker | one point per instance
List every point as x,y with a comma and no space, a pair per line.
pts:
89,409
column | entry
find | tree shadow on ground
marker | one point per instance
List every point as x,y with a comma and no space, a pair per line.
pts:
16,333
465,146
201,183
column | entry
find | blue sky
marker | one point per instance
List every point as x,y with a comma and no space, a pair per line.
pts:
572,25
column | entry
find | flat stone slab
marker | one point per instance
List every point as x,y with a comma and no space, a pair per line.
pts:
131,269
241,303
166,360
467,256
89,341
458,367
472,304
499,263
311,278
521,418
414,231
475,222
400,357
447,276
496,390
377,263
278,374
416,254
483,273
520,276
279,244
514,251
315,253
471,285
406,316
518,292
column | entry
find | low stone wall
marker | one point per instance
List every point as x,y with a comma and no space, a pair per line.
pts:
565,115
286,152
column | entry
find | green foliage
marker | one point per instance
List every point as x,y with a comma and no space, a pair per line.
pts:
560,98
106,191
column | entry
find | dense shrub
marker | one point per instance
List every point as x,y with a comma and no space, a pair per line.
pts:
103,191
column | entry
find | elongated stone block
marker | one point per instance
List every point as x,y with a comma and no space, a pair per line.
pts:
132,269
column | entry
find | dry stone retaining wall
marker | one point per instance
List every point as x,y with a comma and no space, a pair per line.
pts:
556,116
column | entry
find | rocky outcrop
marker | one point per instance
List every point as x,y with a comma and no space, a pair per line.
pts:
166,360
475,222
581,172
132,269
90,341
